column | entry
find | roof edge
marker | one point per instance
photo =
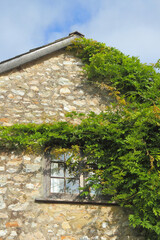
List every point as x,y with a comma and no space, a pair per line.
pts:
39,52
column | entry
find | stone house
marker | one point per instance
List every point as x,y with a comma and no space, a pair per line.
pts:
41,86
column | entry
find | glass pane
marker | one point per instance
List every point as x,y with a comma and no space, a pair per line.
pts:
59,158
72,186
57,169
92,191
68,155
57,185
69,174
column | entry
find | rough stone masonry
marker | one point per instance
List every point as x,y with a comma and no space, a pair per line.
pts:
43,91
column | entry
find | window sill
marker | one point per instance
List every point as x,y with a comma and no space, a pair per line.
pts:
75,200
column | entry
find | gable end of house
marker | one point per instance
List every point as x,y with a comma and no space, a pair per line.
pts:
39,52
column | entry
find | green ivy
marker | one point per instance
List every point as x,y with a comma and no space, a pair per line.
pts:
136,81
123,142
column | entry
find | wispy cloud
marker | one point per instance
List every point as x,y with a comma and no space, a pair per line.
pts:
23,24
130,26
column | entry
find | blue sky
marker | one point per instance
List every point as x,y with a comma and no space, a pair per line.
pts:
132,26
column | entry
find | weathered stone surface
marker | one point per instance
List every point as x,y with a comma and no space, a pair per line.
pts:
56,221
32,236
43,91
84,238
3,180
3,233
18,92
2,169
13,235
32,167
3,215
34,88
27,158
18,206
40,89
65,225
55,67
67,238
11,170
12,224
64,90
30,186
2,203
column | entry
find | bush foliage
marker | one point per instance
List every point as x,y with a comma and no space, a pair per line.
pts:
123,142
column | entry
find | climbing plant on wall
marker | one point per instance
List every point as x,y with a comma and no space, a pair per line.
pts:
123,142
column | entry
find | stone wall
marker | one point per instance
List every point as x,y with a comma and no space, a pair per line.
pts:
43,91
46,89
22,218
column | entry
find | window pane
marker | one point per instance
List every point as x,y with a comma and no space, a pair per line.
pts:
68,155
57,169
92,191
69,174
59,158
72,186
57,185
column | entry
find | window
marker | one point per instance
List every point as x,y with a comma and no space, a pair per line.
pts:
60,184
62,180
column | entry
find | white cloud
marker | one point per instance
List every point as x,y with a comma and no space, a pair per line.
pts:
23,24
131,26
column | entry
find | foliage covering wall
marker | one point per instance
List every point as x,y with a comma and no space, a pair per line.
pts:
123,142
